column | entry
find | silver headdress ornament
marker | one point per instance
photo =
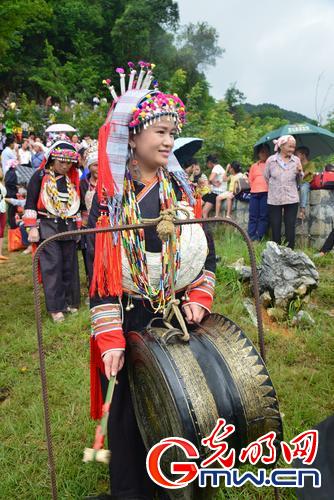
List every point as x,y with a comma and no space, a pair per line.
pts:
143,82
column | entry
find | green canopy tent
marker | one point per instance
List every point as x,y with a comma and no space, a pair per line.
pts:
320,141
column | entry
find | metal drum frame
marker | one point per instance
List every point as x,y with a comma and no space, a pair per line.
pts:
39,324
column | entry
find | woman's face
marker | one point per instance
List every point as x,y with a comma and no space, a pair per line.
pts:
61,167
93,169
263,154
152,146
289,147
196,169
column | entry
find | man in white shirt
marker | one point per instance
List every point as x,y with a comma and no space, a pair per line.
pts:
218,182
9,153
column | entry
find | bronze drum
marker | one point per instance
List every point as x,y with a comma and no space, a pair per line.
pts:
182,388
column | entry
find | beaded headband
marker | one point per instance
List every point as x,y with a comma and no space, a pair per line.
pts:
64,155
154,105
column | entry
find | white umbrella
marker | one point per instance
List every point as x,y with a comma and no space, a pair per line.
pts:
60,127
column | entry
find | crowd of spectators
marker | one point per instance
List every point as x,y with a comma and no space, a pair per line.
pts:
276,186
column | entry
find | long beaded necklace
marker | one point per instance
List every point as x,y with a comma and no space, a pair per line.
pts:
61,207
134,244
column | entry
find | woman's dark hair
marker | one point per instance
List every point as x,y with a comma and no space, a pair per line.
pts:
10,140
236,166
212,158
304,150
82,152
262,146
189,162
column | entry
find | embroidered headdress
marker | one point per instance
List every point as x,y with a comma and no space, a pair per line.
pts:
62,150
90,155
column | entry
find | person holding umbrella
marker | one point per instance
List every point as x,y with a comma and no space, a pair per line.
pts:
283,172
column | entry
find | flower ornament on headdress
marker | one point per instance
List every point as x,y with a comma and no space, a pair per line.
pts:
64,154
154,107
62,149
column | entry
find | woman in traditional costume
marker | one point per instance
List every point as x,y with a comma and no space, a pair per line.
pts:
134,274
52,207
87,191
88,183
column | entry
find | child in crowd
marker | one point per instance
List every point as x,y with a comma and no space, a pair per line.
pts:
203,186
199,181
19,204
233,173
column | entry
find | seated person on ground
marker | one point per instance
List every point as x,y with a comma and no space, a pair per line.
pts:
234,169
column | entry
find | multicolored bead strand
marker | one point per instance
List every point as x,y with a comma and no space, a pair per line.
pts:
134,244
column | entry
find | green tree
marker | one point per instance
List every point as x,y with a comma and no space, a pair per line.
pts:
50,75
76,43
199,43
234,97
15,18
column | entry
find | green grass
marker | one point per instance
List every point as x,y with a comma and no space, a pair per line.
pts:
300,362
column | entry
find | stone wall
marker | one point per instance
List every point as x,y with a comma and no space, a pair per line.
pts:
317,225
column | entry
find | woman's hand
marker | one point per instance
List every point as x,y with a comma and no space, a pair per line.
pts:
113,362
194,313
33,235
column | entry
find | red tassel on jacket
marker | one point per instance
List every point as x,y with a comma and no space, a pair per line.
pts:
107,273
105,181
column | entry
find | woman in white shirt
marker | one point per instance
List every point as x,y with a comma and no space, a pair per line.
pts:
9,153
25,154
